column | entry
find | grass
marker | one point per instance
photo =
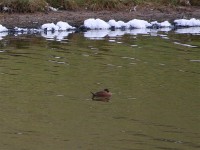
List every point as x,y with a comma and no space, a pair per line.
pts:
41,5
23,5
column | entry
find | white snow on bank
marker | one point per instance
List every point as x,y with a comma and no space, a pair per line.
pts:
138,24
64,26
133,27
100,24
162,24
60,26
3,29
57,35
96,24
117,24
49,27
187,23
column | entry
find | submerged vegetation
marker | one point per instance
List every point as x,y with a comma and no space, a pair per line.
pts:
44,5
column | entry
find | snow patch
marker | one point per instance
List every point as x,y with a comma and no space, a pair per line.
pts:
187,23
60,26
3,29
161,25
138,24
96,24
64,26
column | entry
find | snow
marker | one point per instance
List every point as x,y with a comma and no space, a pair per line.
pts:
165,24
64,26
90,23
187,23
60,26
49,27
117,24
3,29
101,29
100,24
113,23
96,24
162,24
138,24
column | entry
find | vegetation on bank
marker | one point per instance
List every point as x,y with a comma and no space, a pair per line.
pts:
44,5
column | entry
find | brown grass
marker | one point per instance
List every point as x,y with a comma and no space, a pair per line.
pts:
41,5
24,5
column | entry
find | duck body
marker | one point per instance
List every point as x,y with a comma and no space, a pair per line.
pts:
105,94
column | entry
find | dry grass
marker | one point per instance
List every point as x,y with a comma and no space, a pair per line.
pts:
70,5
195,2
108,4
41,5
24,5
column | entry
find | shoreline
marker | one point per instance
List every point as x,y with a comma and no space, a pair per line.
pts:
76,18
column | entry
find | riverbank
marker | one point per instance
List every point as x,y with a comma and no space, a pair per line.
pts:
76,18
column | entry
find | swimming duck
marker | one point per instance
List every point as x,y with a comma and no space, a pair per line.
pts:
102,95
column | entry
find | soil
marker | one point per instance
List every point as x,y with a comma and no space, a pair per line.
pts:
76,18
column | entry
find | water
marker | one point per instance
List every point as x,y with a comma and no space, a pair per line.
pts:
45,91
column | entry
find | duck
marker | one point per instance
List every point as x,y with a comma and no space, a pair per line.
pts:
103,95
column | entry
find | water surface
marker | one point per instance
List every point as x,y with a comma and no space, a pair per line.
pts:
45,91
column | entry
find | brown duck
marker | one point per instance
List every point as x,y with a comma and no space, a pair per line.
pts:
102,95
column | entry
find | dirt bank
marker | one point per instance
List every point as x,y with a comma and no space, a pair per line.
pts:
76,18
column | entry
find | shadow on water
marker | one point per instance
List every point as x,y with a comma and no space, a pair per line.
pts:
46,101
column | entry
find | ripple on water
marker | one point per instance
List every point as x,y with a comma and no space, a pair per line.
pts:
119,42
195,60
125,57
186,45
190,145
111,40
85,55
57,57
134,45
58,62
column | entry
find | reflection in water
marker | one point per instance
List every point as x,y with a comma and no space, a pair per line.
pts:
103,99
191,30
3,34
100,34
46,101
96,34
187,45
57,35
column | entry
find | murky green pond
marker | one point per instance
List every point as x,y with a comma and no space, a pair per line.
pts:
46,101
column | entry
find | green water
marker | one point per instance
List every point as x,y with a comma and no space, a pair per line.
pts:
46,101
